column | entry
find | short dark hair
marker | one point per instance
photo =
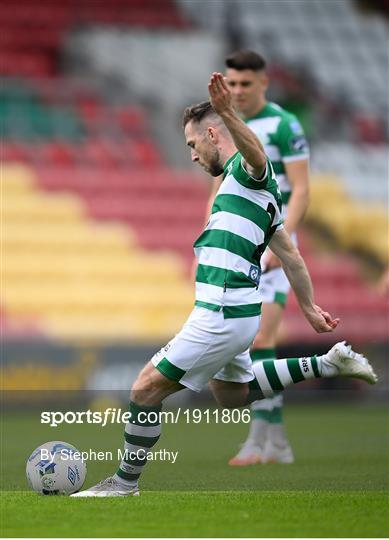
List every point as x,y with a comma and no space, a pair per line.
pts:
245,59
198,112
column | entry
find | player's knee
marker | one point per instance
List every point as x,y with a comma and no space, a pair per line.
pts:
143,383
147,387
151,387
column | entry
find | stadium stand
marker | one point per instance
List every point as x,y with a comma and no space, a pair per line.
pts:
32,32
359,159
356,227
346,51
153,202
79,278
340,286
363,169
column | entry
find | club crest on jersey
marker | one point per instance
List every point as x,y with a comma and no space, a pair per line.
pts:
255,274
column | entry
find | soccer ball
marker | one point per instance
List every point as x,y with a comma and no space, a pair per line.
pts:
55,468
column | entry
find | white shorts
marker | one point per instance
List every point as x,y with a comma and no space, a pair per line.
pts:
274,287
209,346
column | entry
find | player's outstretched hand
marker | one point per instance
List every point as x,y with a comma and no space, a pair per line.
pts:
321,321
219,93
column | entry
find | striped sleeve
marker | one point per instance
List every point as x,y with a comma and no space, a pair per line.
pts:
245,179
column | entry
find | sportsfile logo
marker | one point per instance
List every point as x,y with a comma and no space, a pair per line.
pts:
116,416
104,418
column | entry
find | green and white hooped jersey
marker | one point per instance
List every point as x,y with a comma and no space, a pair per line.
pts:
245,214
283,139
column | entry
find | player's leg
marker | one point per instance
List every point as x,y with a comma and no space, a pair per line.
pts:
223,390
195,355
267,428
273,376
266,440
144,427
189,360
141,433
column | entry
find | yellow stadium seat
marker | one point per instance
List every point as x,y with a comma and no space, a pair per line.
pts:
356,227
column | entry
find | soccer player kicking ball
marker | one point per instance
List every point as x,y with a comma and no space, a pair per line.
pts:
214,343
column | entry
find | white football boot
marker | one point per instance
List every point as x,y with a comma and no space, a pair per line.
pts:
341,360
275,453
249,454
107,488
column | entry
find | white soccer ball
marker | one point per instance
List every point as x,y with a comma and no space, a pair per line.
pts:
55,468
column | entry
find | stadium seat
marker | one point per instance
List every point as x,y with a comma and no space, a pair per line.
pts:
32,33
80,279
356,227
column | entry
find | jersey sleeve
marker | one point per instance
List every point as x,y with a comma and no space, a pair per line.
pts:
243,177
291,140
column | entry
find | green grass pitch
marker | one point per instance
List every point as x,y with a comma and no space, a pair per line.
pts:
338,486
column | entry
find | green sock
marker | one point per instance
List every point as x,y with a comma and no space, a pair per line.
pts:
141,433
263,408
275,375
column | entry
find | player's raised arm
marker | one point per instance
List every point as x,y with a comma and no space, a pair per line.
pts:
298,276
245,140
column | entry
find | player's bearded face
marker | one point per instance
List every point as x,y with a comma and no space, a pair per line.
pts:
212,162
203,150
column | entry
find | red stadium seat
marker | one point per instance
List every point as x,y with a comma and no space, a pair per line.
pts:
57,154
